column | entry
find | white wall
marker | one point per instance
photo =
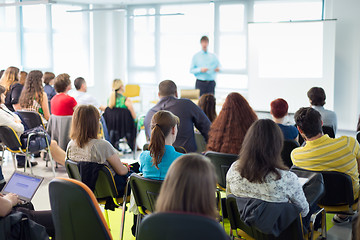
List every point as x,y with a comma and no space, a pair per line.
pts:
347,60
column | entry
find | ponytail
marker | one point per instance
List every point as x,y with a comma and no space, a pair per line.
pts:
157,145
112,99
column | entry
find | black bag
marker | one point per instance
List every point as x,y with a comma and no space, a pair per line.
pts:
37,141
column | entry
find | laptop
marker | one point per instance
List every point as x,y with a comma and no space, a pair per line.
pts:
23,184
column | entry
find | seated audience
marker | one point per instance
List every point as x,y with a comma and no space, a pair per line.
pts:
9,203
85,145
33,97
322,153
260,173
317,99
118,100
189,114
82,97
22,77
189,187
62,104
155,163
228,130
279,110
13,88
207,103
48,79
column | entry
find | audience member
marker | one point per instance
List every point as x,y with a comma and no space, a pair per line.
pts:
62,104
1,73
279,110
189,187
86,147
13,88
207,103
229,128
81,95
317,99
48,79
155,163
358,125
188,113
260,172
322,153
118,100
33,97
22,77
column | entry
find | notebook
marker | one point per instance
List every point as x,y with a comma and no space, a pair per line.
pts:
23,184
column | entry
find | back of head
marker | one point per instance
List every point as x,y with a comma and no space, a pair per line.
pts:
85,124
261,151
317,96
167,88
48,76
78,82
189,187
279,108
161,124
22,78
207,103
33,89
10,76
2,91
62,82
229,128
116,86
309,121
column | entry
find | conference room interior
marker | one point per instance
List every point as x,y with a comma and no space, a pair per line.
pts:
267,49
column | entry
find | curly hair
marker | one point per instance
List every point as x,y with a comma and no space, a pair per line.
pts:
227,132
33,89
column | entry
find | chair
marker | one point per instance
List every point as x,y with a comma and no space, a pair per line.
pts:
132,91
179,226
200,142
75,211
289,145
178,149
145,193
59,129
192,94
10,139
358,136
329,131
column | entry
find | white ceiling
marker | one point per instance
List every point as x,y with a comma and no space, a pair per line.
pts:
128,2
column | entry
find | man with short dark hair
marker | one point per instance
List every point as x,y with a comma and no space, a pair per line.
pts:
322,153
189,114
204,66
81,95
317,98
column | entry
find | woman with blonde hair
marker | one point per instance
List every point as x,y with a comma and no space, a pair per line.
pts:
155,163
118,100
10,80
189,187
33,97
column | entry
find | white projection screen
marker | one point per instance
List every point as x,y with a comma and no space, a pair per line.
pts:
286,59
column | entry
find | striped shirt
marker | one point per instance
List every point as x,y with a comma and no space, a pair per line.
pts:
329,154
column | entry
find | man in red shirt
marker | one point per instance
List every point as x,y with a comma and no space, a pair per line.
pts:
62,104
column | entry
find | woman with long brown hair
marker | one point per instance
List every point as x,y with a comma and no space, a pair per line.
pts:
189,187
155,163
10,80
227,132
33,97
260,172
207,103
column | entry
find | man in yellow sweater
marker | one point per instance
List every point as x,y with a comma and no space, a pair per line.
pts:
322,153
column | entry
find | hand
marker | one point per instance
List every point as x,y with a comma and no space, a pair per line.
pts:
13,198
127,165
204,70
217,69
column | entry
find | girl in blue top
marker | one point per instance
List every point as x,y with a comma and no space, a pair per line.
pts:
155,163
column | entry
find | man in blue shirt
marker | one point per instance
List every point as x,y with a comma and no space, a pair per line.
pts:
204,66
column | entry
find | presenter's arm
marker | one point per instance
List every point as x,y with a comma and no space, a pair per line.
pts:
193,68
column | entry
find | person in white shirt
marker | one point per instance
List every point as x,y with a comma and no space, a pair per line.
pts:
82,97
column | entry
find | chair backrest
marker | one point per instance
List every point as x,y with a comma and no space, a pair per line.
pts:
293,231
72,169
32,119
132,90
179,226
9,138
75,211
358,136
190,93
178,149
59,129
289,145
329,131
145,191
222,163
200,142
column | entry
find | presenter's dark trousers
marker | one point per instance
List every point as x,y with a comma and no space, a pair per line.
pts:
205,86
